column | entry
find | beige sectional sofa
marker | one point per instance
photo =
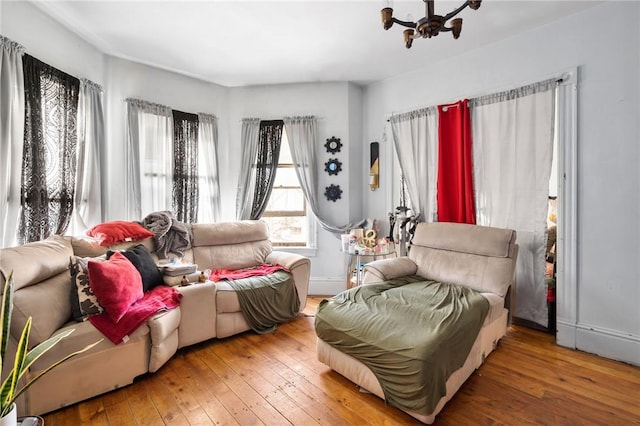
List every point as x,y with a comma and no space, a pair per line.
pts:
207,310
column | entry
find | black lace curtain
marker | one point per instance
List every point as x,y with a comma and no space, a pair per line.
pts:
185,163
266,164
49,158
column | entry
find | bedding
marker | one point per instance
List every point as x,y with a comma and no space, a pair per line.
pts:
412,333
267,300
235,274
158,299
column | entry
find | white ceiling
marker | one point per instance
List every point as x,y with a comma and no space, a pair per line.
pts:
238,43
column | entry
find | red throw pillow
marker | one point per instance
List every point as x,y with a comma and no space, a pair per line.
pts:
118,231
116,283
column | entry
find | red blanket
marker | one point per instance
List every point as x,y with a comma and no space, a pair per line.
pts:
160,298
227,274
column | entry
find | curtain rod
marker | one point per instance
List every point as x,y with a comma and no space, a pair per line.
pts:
282,117
556,80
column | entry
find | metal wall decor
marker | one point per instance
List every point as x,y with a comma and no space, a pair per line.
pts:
374,169
333,166
333,192
333,145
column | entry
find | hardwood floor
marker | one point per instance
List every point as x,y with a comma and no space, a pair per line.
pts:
275,379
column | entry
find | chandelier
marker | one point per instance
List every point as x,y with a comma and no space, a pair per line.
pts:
429,25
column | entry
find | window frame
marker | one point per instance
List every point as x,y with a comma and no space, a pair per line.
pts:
309,246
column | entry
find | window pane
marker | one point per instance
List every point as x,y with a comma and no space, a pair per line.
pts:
287,230
282,200
285,152
285,176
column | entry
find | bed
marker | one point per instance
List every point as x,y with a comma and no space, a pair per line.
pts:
420,325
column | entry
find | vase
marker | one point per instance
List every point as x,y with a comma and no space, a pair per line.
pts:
11,419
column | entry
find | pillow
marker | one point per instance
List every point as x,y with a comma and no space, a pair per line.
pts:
116,283
83,301
118,231
85,246
142,260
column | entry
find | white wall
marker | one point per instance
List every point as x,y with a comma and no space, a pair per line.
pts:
607,292
26,24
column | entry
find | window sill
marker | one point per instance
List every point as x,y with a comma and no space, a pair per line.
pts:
303,251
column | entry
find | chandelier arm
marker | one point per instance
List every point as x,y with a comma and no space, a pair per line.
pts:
428,8
407,24
455,12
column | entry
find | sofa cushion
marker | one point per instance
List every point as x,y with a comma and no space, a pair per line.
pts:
474,256
465,238
140,257
232,256
35,262
86,246
225,233
118,231
116,283
48,305
83,301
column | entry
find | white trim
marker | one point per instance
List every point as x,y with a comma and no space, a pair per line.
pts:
326,286
567,244
601,341
303,251
391,161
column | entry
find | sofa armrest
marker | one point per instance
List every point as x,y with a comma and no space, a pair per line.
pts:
387,269
286,259
300,267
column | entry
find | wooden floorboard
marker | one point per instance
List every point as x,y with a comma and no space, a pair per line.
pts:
275,379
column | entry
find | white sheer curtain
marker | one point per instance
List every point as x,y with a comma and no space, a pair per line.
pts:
87,209
513,141
208,186
11,138
149,158
415,137
250,138
302,134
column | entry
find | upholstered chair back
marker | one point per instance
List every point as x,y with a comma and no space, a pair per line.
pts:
41,285
236,245
479,257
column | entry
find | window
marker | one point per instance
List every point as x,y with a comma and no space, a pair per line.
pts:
177,162
49,153
286,212
155,144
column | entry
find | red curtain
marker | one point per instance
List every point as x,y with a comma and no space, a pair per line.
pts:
455,164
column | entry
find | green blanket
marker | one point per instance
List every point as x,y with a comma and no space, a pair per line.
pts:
412,334
267,300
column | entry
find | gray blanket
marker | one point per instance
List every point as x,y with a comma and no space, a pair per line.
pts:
410,332
267,300
171,235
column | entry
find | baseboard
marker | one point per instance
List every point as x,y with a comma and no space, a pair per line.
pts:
606,343
326,286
